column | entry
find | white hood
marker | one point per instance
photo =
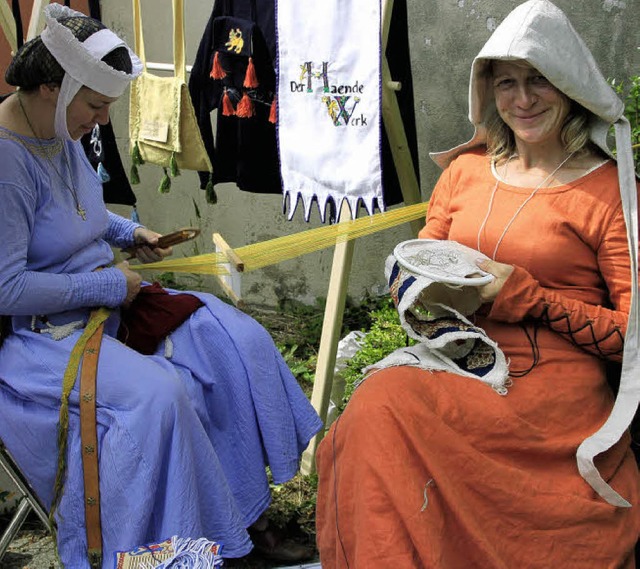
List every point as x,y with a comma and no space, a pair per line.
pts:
541,34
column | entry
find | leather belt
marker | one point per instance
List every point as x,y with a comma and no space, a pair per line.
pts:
89,443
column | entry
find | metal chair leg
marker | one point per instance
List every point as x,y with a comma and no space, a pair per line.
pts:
28,500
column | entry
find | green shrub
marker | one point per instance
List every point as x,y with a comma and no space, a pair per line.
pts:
384,336
629,92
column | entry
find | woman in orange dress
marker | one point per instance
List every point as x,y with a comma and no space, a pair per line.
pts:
429,469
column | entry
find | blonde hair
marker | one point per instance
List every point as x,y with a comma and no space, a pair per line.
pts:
500,140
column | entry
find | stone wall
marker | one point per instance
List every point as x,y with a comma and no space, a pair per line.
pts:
444,36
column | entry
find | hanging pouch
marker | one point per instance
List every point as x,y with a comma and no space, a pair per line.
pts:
162,123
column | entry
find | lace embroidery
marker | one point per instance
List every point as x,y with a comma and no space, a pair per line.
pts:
59,332
47,151
481,356
442,261
434,328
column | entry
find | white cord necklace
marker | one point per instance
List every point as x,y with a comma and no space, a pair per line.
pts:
525,202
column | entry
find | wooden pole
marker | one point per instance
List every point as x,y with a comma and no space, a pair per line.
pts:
343,253
36,22
8,26
329,338
231,284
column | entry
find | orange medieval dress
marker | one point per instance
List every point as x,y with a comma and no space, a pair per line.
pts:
437,471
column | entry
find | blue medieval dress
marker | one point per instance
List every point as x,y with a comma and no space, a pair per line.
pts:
184,434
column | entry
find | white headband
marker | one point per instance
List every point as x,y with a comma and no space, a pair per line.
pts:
82,62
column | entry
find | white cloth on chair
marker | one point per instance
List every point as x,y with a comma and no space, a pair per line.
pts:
433,301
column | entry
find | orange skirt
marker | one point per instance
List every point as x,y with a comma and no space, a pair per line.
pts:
436,471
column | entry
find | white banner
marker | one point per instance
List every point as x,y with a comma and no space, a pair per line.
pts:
329,103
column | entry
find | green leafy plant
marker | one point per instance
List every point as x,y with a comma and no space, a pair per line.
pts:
294,504
302,367
384,336
629,92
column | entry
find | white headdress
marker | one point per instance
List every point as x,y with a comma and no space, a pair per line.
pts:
541,34
82,62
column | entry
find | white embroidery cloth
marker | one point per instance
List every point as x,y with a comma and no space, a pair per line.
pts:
433,311
329,104
541,34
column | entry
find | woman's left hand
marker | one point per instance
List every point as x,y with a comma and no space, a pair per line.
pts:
500,271
149,252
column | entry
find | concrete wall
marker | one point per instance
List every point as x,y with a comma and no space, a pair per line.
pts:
445,35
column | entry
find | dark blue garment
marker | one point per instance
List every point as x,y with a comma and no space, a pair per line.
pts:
245,151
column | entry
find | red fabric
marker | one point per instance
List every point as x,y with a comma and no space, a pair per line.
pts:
245,107
272,112
152,316
250,78
227,105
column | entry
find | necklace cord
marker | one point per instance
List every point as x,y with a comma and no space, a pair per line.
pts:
69,185
524,203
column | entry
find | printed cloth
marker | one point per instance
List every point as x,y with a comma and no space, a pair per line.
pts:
329,104
175,552
433,313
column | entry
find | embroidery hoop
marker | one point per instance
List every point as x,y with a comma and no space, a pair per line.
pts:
442,261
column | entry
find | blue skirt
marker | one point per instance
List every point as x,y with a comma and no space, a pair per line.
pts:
184,434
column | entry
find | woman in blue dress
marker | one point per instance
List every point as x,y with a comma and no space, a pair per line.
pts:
184,434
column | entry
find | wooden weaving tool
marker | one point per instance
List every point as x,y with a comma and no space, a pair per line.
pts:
230,283
168,240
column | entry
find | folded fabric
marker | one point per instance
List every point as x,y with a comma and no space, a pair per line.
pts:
433,311
172,553
152,316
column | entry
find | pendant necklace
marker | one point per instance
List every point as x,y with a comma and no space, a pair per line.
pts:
70,186
525,202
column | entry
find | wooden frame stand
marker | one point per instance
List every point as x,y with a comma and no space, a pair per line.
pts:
231,283
343,253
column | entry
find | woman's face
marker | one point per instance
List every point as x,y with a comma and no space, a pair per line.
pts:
86,109
528,103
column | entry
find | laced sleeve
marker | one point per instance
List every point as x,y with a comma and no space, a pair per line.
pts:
596,329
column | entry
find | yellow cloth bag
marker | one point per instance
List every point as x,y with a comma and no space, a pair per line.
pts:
162,124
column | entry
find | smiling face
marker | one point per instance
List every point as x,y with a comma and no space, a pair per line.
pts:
86,109
528,103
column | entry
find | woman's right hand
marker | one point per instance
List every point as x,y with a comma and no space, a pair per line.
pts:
134,281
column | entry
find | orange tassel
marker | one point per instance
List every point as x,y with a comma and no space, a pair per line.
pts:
216,70
272,113
245,107
227,105
250,77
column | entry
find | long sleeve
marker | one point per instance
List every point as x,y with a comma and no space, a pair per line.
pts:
120,231
438,218
27,289
572,274
596,329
